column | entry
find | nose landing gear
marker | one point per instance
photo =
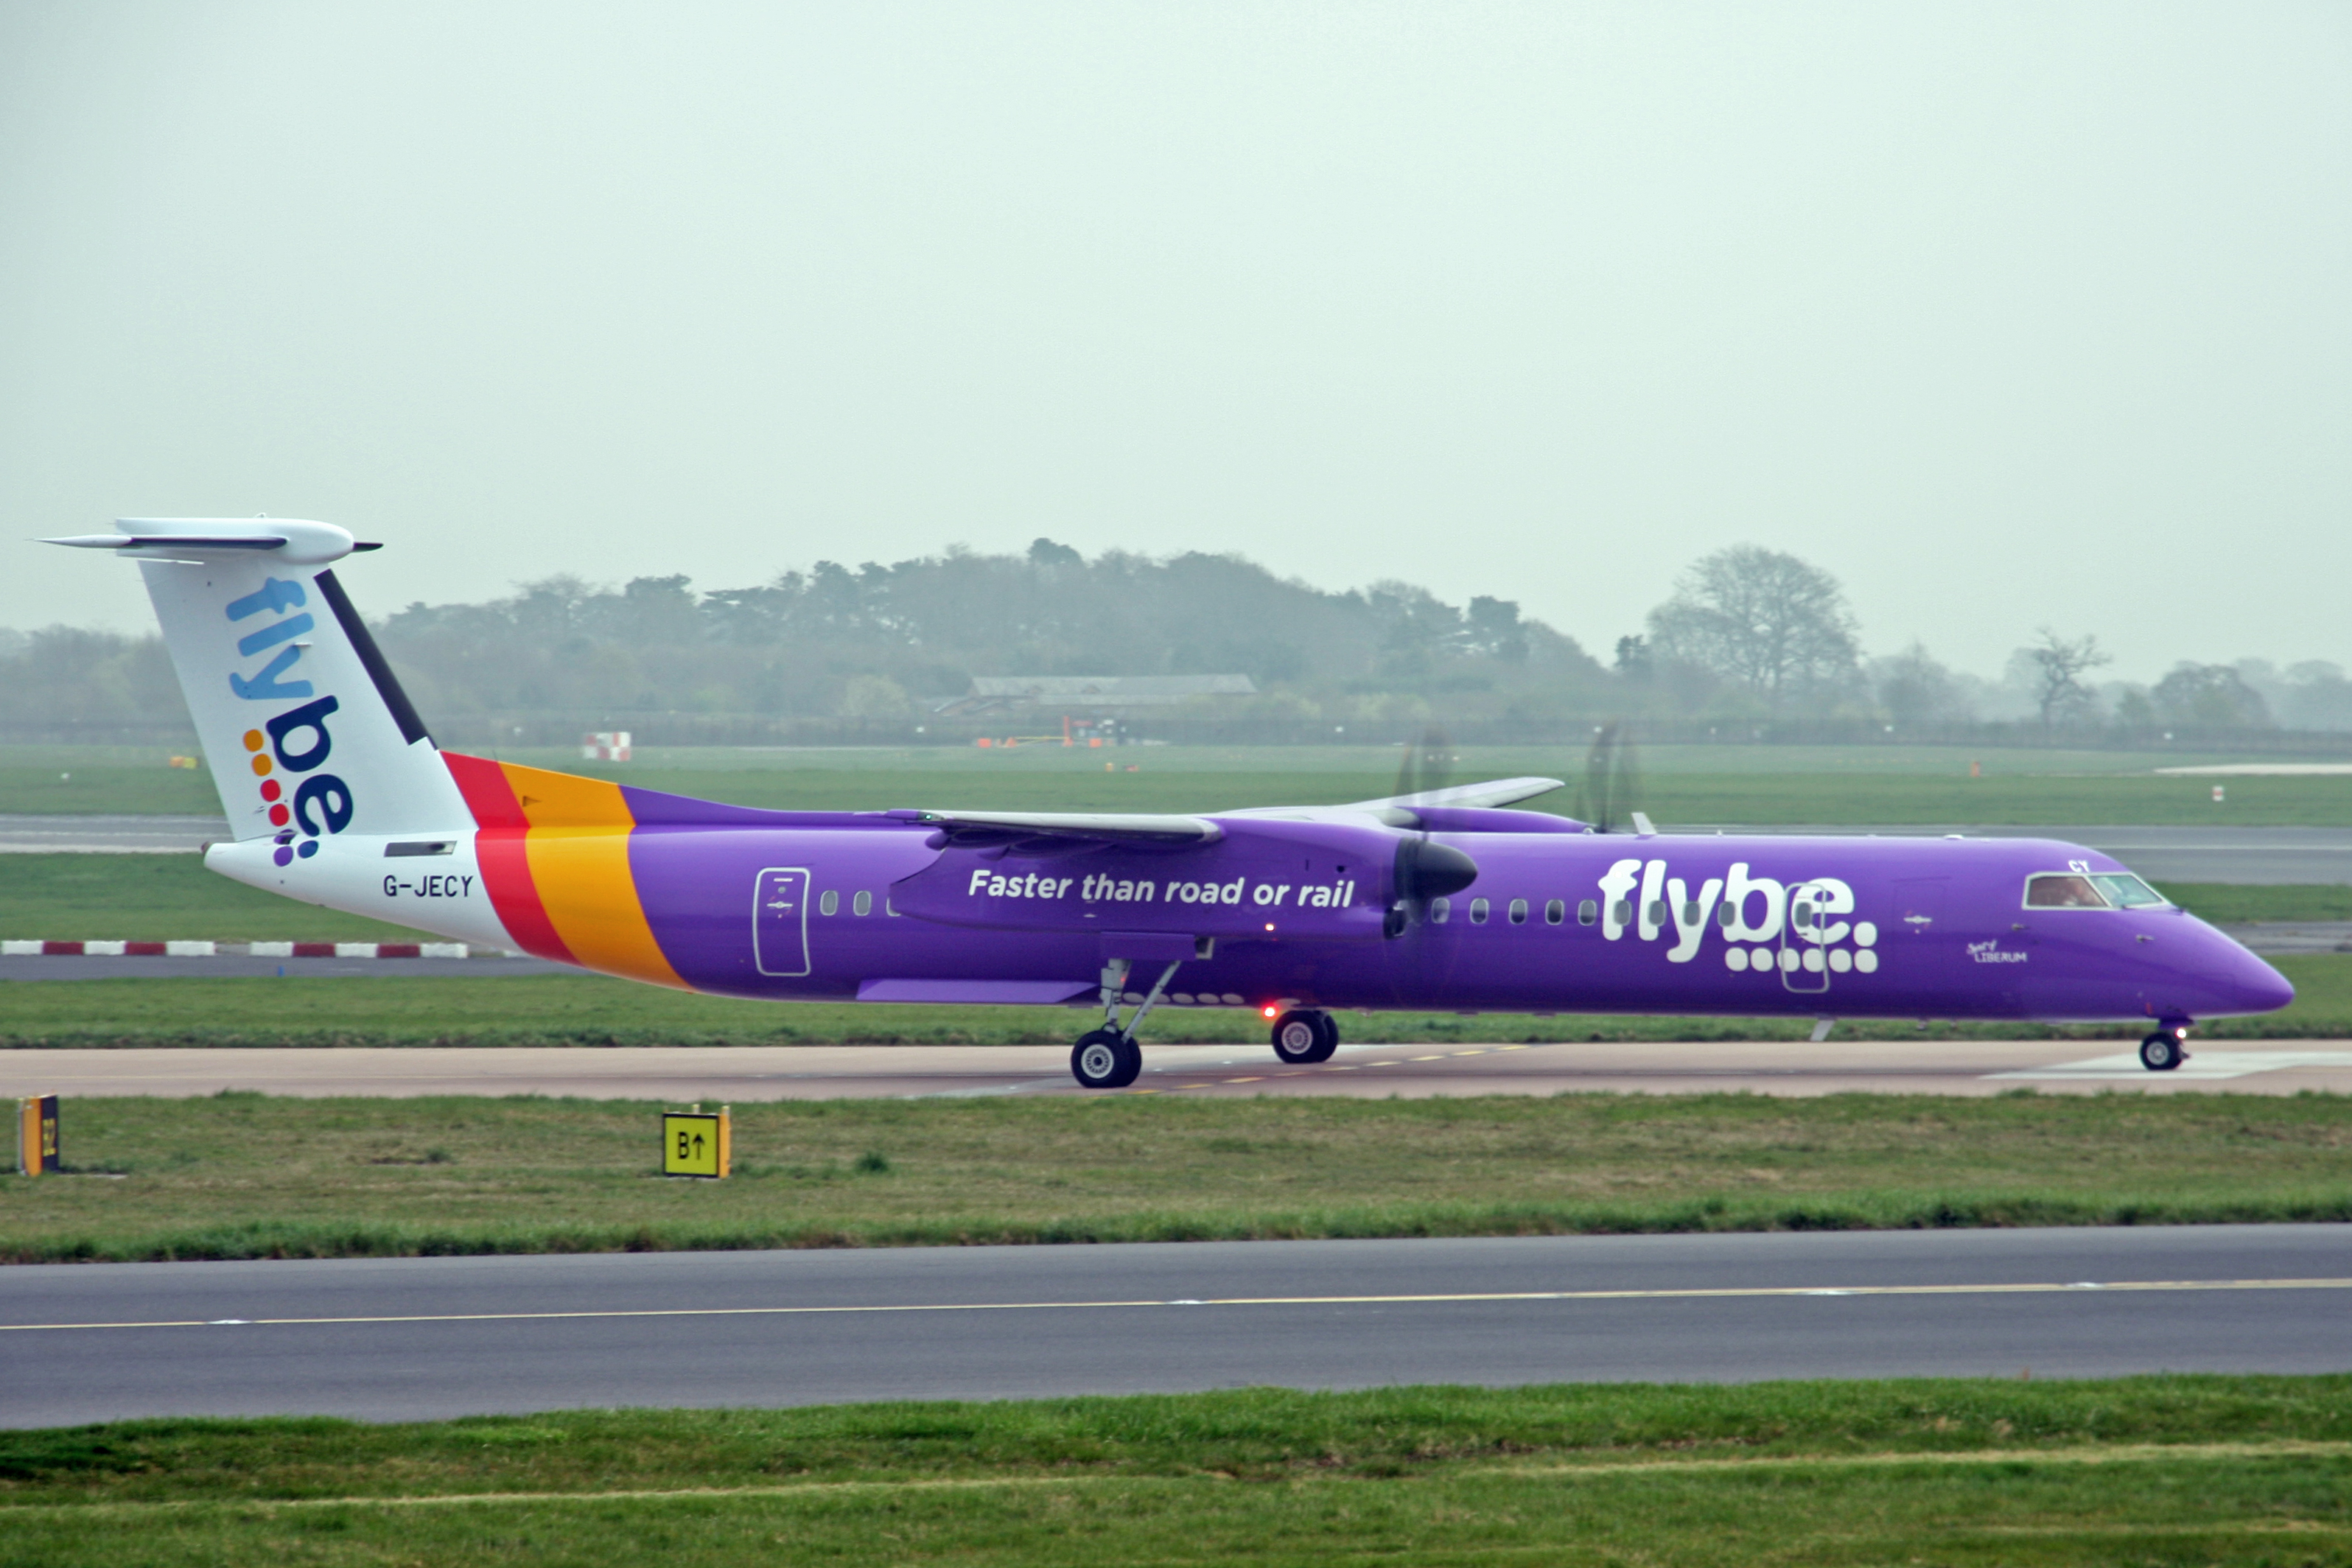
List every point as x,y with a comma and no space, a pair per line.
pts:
2166,1049
1305,1034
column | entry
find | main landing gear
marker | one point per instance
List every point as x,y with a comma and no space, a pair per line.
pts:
1305,1036
1108,1058
2165,1049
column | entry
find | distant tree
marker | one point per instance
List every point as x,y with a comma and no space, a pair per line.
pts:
1492,629
1917,691
2055,668
2318,697
1633,659
1763,620
2210,697
1046,552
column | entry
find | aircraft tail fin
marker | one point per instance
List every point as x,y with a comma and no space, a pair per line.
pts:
306,729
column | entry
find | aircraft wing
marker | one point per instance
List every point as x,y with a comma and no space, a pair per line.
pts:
972,830
1496,792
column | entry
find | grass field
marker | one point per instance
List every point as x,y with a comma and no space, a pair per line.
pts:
592,1010
155,897
246,1175
2158,1470
1685,786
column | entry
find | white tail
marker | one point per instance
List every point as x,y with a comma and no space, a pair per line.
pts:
305,730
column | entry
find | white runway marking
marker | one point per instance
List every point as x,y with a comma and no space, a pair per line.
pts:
1730,1292
2202,1066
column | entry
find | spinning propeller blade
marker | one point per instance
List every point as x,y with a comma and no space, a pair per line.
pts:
1613,777
1426,870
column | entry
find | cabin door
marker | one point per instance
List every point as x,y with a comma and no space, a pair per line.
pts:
780,922
1804,967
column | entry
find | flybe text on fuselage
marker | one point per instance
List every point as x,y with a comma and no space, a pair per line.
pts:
1758,918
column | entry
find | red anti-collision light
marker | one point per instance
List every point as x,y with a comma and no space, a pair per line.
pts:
1267,1010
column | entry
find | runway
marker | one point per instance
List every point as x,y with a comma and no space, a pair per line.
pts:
2266,856
745,1074
415,1339
28,833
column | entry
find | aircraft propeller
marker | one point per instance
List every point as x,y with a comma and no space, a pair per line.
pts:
1425,870
1607,796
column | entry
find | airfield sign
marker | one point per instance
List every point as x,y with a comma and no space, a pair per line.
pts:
696,1142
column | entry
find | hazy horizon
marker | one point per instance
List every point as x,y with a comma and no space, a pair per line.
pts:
2006,316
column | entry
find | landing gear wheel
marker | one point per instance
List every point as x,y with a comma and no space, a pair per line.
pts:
2161,1052
1106,1059
1305,1036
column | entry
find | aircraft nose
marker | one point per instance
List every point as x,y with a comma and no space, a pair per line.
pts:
2247,984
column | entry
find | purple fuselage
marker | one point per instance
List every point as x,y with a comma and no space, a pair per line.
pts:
1300,913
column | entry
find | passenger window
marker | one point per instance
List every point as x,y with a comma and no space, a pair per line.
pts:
1477,911
1690,914
1658,912
1555,913
830,904
2127,892
862,904
1725,914
1624,912
1519,911
2063,892
1440,911
1588,911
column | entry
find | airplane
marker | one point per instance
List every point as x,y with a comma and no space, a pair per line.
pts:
1444,899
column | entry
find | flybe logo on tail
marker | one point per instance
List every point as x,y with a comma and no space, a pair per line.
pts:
295,742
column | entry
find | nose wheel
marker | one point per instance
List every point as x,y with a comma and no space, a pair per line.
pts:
2163,1051
1305,1036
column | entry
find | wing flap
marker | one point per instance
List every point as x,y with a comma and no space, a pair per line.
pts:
974,829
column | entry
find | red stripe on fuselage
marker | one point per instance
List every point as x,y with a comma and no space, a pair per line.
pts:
498,849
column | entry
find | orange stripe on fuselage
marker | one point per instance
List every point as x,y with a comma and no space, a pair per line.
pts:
575,854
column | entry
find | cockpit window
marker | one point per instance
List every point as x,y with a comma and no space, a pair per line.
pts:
2127,892
2062,891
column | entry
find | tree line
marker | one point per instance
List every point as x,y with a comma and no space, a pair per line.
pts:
1751,637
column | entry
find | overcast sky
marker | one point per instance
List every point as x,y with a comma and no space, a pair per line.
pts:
2007,315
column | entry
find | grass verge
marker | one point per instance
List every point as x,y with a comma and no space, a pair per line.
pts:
2157,1470
592,1010
245,1176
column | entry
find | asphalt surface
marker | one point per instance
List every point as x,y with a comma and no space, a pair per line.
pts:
2252,855
2188,854
412,1338
229,965
747,1074
27,833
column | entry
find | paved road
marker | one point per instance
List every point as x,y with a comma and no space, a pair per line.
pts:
430,1338
2188,854
232,964
32,834
2254,856
746,1074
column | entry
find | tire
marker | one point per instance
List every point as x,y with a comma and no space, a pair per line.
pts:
1105,1059
2161,1053
1305,1036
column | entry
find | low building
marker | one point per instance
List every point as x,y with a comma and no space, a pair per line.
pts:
1089,693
